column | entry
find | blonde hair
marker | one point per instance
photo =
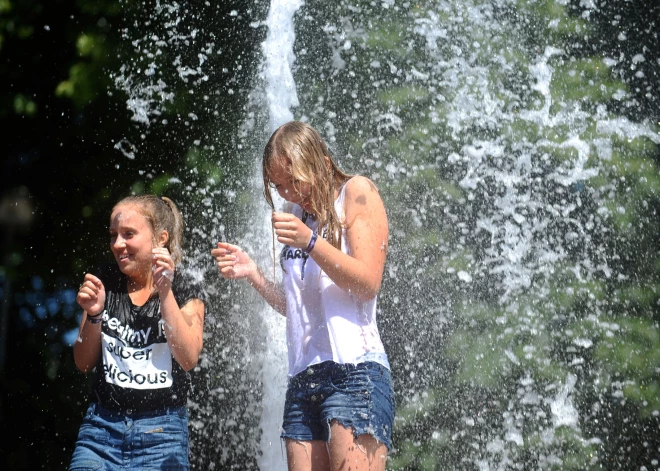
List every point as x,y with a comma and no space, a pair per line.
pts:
300,145
162,215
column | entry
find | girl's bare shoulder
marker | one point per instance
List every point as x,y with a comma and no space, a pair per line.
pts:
361,190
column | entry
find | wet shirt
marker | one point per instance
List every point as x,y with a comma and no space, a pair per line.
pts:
324,322
136,370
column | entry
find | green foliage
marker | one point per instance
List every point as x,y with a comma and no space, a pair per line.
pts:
24,106
403,96
387,36
81,84
522,222
103,7
92,46
584,79
633,351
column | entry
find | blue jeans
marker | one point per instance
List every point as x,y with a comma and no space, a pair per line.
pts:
358,396
112,441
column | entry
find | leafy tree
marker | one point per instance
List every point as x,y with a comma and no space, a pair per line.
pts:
73,72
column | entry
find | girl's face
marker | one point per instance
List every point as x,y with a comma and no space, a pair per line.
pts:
131,241
288,186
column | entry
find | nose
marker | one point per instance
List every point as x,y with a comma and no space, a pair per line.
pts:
118,242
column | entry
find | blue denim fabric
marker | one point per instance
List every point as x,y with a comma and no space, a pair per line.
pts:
110,440
360,396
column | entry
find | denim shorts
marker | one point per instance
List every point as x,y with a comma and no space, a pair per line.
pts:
360,396
154,440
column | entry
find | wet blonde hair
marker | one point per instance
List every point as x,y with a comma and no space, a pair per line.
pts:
300,146
162,215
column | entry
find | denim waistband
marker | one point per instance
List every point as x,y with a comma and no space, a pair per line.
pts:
330,368
377,357
99,409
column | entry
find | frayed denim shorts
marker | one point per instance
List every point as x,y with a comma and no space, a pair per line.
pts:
360,396
116,441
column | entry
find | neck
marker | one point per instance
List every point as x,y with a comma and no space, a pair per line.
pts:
134,285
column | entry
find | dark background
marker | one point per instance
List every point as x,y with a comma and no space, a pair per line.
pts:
61,116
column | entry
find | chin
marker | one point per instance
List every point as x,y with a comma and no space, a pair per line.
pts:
125,269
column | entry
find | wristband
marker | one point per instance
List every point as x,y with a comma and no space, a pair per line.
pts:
312,242
95,319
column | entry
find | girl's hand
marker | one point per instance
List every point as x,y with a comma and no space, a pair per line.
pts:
163,267
291,231
91,295
233,262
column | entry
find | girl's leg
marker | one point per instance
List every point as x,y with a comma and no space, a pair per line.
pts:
362,454
307,455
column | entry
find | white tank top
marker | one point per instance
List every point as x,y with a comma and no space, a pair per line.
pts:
324,322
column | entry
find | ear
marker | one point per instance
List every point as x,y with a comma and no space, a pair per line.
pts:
163,238
327,162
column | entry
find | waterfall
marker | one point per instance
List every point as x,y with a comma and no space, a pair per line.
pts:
281,96
278,57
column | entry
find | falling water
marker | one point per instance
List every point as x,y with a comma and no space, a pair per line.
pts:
520,185
281,97
497,172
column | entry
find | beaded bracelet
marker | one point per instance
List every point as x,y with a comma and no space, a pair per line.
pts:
312,242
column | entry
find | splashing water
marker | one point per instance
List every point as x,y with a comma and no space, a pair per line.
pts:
519,305
278,53
281,97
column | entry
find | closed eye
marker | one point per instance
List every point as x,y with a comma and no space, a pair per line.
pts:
125,235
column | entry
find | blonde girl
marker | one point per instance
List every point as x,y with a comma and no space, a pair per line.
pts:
339,407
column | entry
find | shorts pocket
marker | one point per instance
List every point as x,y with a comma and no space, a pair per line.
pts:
164,430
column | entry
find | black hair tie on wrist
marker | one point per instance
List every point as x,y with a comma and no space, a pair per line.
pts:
96,318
